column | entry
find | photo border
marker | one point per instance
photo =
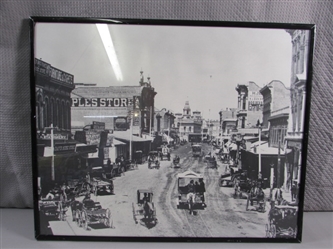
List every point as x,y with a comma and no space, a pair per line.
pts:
119,21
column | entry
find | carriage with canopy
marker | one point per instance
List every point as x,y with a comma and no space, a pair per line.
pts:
196,150
144,209
190,199
282,221
89,212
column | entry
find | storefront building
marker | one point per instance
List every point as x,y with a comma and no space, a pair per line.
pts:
115,106
53,101
250,103
189,122
294,138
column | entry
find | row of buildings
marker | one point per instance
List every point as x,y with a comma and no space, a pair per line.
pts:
274,113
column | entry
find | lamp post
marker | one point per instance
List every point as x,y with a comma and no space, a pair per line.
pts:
272,179
134,114
259,152
52,151
279,162
131,131
151,121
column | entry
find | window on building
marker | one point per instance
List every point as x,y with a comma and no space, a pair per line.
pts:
276,134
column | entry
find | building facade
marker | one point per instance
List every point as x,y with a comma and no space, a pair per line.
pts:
300,50
228,120
53,97
116,106
276,100
250,103
188,122
164,120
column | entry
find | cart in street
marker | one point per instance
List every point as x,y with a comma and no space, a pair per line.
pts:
196,150
187,199
99,182
282,222
164,153
176,162
153,161
256,196
88,212
144,209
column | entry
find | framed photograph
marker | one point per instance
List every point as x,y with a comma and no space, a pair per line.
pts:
169,130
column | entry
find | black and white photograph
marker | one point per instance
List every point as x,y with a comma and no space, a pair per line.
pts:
181,131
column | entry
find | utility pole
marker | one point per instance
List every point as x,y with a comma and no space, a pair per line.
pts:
151,120
259,152
279,162
131,131
52,151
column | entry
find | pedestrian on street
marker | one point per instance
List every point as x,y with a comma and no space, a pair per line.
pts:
293,191
202,190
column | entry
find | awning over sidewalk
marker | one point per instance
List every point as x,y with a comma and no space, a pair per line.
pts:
126,135
116,142
263,148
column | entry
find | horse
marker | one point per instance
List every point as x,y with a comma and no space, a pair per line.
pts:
148,210
190,201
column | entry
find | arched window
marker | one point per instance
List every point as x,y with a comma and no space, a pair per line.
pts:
39,112
52,111
55,113
63,115
46,112
68,116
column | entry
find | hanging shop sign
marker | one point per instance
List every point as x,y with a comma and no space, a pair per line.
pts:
64,148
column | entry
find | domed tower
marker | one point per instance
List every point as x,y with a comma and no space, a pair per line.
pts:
187,110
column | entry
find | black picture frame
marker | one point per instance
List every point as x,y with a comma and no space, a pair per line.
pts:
45,75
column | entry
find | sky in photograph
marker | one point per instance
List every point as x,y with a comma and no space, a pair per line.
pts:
200,64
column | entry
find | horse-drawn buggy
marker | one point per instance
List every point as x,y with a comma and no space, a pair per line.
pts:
53,208
196,150
211,162
165,153
153,161
256,195
99,181
144,209
191,190
282,221
55,204
88,212
176,162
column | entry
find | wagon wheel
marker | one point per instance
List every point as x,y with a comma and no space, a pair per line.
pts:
134,214
109,219
247,203
78,218
73,214
61,215
154,214
84,221
268,234
95,190
273,231
88,188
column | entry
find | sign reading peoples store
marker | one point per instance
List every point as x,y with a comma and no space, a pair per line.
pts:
102,102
